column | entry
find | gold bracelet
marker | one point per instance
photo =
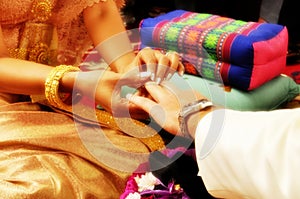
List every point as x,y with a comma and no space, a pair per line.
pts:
129,126
52,85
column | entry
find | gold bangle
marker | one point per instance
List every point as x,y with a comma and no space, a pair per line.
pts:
129,126
52,85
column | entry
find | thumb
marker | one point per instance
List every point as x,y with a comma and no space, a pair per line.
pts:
150,107
134,79
145,104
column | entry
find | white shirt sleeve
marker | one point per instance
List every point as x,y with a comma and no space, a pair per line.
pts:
250,154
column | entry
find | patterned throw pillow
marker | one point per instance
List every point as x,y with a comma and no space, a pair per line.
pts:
242,54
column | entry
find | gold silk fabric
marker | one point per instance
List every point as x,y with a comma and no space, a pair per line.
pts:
46,31
46,155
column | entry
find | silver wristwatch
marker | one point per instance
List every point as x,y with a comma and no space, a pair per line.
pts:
188,110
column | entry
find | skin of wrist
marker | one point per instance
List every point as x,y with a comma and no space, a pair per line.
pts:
193,120
67,82
121,65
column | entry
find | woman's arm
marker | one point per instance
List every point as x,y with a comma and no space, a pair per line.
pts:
25,77
103,87
104,23
28,78
109,35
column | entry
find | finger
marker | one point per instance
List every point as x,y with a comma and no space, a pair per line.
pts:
174,59
126,109
139,67
120,109
133,79
136,63
169,74
145,104
184,96
172,65
136,112
156,91
142,91
148,61
181,69
149,106
162,68
175,62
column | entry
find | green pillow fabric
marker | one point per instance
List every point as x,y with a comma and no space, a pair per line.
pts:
271,95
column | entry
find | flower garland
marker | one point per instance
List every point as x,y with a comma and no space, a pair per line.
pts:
146,186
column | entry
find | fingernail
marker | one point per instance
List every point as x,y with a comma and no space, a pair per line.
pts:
145,74
128,96
158,80
152,76
151,83
169,76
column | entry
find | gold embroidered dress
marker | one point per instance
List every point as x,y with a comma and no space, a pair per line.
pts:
45,154
33,29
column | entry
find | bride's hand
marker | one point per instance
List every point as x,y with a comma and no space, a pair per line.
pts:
160,66
104,86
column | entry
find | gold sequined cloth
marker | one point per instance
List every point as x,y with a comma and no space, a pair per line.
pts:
49,155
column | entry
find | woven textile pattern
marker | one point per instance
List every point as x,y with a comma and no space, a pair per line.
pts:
220,48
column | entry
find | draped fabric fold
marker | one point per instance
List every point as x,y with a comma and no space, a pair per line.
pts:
49,155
